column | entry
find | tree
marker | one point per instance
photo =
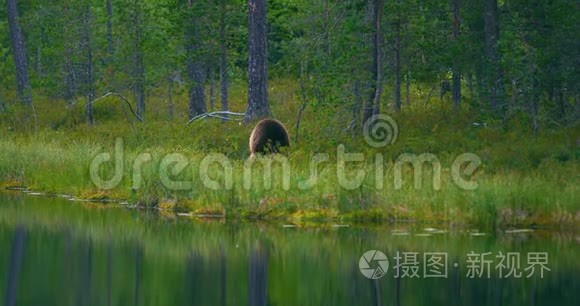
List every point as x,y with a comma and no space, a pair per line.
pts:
110,48
373,104
397,58
258,105
456,78
194,65
494,82
139,70
68,46
19,53
223,57
89,77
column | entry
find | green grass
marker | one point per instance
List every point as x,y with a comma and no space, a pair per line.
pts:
522,180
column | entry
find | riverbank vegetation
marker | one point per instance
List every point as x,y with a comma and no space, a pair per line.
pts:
493,79
523,179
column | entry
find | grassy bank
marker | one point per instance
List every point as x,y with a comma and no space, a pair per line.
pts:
522,180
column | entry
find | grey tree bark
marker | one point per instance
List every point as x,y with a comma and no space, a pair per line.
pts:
19,53
408,86
397,62
223,58
89,86
211,76
374,101
327,27
456,78
109,8
194,66
493,82
110,46
69,78
258,105
139,72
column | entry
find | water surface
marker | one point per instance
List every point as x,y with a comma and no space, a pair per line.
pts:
58,252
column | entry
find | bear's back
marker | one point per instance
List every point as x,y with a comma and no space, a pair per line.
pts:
268,136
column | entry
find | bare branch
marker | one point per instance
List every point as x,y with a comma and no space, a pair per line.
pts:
217,114
120,96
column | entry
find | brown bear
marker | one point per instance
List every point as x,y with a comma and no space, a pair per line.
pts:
268,136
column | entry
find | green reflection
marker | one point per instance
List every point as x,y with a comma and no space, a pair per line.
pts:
55,252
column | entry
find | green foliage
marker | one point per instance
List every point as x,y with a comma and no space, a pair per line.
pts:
325,43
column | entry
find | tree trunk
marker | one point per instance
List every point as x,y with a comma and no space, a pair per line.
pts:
397,62
493,76
456,78
327,28
69,79
211,72
373,103
139,73
258,105
534,107
19,52
90,92
109,7
196,94
110,49
408,86
194,66
223,58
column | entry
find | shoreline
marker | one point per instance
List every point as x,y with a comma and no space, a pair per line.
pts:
312,217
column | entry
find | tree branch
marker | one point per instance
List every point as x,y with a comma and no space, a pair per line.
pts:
217,114
120,96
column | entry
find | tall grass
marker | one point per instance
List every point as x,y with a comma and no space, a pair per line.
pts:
522,180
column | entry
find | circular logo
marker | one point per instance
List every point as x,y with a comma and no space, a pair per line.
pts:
380,130
373,264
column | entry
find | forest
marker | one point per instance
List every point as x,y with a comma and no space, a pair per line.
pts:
495,78
289,152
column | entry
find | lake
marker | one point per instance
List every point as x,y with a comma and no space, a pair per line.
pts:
59,252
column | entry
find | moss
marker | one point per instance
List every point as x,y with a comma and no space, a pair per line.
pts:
167,204
209,212
321,215
11,184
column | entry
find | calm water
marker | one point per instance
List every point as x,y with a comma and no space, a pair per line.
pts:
56,252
